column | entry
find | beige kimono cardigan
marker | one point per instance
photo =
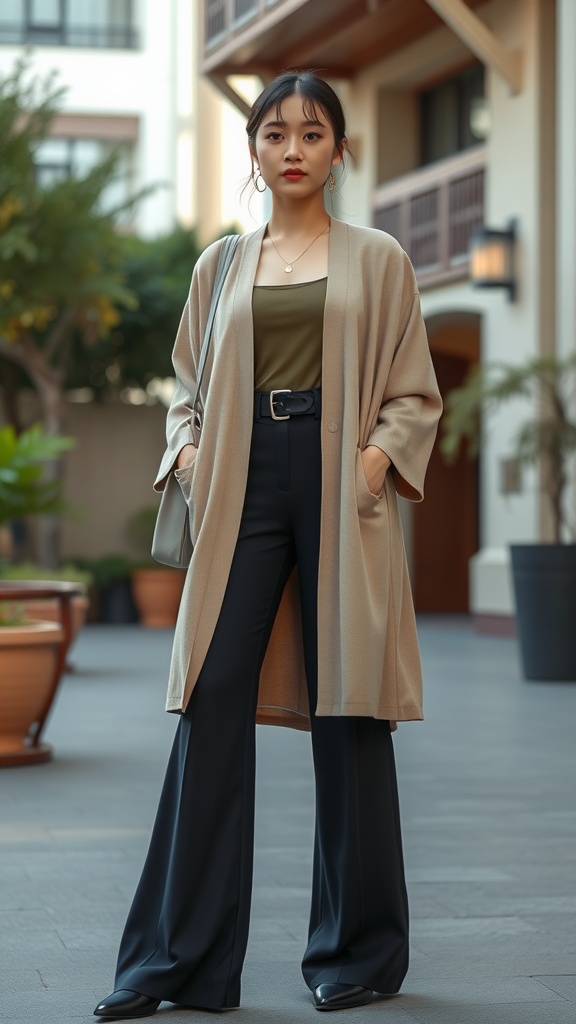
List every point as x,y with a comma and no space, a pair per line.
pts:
378,387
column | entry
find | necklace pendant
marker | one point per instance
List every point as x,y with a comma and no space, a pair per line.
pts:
288,269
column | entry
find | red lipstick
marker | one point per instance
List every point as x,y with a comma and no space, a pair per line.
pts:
294,173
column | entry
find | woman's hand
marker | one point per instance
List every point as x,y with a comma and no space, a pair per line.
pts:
376,464
185,456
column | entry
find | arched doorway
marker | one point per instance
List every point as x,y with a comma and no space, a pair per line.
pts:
445,527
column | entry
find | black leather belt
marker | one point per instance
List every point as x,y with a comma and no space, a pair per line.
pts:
283,403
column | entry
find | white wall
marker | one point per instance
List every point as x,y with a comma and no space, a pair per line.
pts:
515,331
109,474
510,331
136,83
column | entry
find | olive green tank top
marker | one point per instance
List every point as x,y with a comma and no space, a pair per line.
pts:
288,325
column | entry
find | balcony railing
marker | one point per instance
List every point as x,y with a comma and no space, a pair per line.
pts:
114,37
225,16
432,212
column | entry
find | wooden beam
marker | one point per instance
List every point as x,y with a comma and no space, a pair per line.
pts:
481,40
223,86
306,50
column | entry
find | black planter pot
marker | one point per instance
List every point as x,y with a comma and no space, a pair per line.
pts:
117,603
545,588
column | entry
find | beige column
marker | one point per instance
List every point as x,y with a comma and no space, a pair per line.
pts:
208,162
566,192
547,205
566,176
206,155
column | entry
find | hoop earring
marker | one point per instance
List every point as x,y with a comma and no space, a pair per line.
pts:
331,182
256,178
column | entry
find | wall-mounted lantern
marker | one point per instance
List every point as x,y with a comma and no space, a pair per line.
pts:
492,258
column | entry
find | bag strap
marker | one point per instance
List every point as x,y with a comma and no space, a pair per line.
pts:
225,257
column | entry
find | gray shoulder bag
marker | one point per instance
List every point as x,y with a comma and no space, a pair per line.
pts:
171,543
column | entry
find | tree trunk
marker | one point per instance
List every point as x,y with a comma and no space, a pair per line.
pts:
10,394
49,527
50,386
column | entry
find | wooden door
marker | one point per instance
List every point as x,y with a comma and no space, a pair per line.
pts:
445,524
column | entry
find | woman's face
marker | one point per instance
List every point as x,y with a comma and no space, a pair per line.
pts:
295,154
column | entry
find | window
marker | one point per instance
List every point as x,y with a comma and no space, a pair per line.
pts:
244,8
453,115
94,23
45,19
59,158
215,18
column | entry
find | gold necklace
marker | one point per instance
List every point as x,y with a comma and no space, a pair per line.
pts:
288,266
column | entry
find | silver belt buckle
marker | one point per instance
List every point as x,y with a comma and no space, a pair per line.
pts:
279,391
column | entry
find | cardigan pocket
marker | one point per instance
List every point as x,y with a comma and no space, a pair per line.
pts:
367,501
184,476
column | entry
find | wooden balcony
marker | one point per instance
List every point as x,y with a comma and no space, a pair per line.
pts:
343,37
433,211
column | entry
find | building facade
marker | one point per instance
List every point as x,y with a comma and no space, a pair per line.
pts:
461,115
130,68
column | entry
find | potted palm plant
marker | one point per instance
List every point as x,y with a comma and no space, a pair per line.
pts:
544,574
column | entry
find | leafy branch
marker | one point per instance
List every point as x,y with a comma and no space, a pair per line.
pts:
23,489
548,438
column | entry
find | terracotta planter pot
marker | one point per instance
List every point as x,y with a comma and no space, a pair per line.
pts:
49,611
28,665
157,594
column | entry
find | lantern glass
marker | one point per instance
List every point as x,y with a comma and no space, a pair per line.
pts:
491,259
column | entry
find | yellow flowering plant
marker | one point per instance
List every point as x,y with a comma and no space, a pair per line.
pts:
61,277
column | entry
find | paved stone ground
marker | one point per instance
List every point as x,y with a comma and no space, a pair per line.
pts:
488,804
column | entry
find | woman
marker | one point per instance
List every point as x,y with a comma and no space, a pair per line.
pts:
297,606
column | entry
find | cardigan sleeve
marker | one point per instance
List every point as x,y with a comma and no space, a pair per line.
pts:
411,407
185,360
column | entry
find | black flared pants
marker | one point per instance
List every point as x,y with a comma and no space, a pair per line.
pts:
186,933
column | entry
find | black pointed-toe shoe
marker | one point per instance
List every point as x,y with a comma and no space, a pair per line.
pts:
126,1005
335,995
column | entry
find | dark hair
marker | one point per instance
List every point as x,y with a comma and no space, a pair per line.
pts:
315,92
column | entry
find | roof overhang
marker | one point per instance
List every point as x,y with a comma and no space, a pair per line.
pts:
340,38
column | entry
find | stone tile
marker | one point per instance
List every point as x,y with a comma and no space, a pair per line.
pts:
22,943
472,991
85,938
448,1011
266,951
565,984
560,925
25,920
270,928
74,1004
446,873
475,926
459,963
17,982
488,806
477,901
490,949
275,992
